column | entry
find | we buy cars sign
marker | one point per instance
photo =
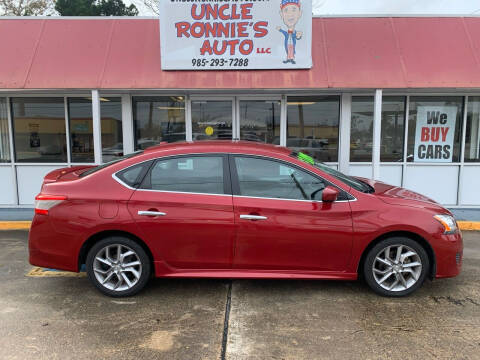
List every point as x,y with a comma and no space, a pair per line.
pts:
435,133
235,34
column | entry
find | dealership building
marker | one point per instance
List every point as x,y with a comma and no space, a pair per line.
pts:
391,98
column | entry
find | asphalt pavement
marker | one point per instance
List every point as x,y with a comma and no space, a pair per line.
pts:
64,317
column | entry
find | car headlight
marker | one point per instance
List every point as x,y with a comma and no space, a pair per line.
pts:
448,222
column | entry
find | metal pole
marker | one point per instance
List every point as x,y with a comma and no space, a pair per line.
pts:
127,125
344,137
377,127
97,127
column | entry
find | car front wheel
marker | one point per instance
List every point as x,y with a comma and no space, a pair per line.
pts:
396,266
118,266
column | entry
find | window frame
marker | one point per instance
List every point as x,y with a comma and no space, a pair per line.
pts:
350,149
236,182
284,118
227,183
153,98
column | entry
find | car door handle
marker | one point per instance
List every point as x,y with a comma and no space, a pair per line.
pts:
253,217
151,213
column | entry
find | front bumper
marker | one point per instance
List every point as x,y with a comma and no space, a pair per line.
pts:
449,255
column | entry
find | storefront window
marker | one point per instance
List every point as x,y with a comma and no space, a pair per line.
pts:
472,133
312,126
81,130
260,121
157,119
361,133
393,119
434,129
212,120
39,129
4,140
112,137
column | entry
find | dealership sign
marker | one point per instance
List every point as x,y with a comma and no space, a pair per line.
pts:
434,133
235,34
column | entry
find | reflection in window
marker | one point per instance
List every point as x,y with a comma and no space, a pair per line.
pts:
472,134
81,130
393,119
361,133
312,126
260,121
273,179
198,174
112,138
4,140
212,120
39,125
157,119
434,128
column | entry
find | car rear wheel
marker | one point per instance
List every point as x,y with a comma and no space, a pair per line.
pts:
396,266
118,266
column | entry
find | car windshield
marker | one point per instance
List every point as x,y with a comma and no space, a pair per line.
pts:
103,166
348,180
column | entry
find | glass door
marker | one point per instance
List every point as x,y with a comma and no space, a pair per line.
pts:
259,119
212,118
237,117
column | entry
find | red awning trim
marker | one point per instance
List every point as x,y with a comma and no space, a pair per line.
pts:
373,52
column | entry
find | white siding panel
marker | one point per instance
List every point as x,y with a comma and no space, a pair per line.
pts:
437,182
30,178
470,186
7,194
391,174
362,170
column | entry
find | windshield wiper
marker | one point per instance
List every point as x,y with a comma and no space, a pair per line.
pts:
369,189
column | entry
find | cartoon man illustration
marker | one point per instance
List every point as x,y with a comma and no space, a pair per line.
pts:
291,12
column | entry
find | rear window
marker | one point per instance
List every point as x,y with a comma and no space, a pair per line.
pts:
132,176
103,166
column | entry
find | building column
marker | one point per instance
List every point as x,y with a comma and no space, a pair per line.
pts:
377,127
283,121
12,151
344,129
474,131
97,127
127,125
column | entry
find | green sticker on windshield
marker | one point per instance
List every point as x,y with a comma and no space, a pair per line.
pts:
306,158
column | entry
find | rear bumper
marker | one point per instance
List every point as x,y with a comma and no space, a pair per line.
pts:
449,255
49,249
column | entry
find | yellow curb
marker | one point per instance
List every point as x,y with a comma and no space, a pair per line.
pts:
469,225
25,225
15,225
41,272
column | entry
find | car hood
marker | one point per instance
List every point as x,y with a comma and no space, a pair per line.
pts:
396,195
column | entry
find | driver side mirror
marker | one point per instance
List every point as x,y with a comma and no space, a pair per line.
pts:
330,194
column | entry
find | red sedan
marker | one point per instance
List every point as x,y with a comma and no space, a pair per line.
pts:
237,210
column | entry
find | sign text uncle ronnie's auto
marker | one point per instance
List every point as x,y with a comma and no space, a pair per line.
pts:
235,34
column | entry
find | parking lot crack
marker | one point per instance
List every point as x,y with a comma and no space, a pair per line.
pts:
226,321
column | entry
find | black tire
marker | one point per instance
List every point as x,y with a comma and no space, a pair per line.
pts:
418,275
126,245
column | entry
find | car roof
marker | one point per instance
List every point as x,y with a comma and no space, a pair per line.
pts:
228,146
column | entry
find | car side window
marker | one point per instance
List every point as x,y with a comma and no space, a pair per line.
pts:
273,179
131,175
196,174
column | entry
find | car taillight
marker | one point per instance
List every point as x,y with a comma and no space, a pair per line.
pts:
43,203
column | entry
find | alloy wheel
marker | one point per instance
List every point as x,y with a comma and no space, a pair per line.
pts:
397,268
117,267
